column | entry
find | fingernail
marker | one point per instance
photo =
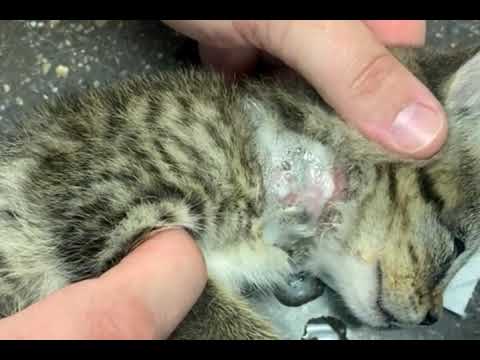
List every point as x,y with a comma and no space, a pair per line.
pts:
415,128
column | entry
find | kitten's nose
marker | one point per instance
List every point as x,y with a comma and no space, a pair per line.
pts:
430,319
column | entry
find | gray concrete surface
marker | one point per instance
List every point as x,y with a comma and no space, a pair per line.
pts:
42,58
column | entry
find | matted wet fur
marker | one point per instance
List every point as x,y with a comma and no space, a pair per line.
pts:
87,177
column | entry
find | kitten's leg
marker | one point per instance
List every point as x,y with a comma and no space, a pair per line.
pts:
220,315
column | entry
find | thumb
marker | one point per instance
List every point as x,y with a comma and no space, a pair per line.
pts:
165,275
366,85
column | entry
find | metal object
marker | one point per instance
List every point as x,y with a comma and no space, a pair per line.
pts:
325,328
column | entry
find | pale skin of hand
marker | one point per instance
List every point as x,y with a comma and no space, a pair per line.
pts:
145,296
348,64
140,298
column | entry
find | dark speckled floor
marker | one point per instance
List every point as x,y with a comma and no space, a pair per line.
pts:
39,59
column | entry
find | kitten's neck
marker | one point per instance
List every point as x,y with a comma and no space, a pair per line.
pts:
297,171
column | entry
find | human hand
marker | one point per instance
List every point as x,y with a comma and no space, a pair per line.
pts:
348,65
145,296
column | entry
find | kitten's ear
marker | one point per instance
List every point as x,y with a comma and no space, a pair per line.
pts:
460,95
461,90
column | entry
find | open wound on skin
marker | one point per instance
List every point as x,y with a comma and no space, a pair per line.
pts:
311,185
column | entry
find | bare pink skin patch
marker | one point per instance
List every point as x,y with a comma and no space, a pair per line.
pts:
298,172
317,191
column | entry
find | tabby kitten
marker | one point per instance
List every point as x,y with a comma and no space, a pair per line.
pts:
267,179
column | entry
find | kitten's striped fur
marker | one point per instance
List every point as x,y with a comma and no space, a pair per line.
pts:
89,176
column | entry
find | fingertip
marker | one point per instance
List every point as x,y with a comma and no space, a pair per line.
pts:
417,131
399,32
175,247
164,276
180,281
